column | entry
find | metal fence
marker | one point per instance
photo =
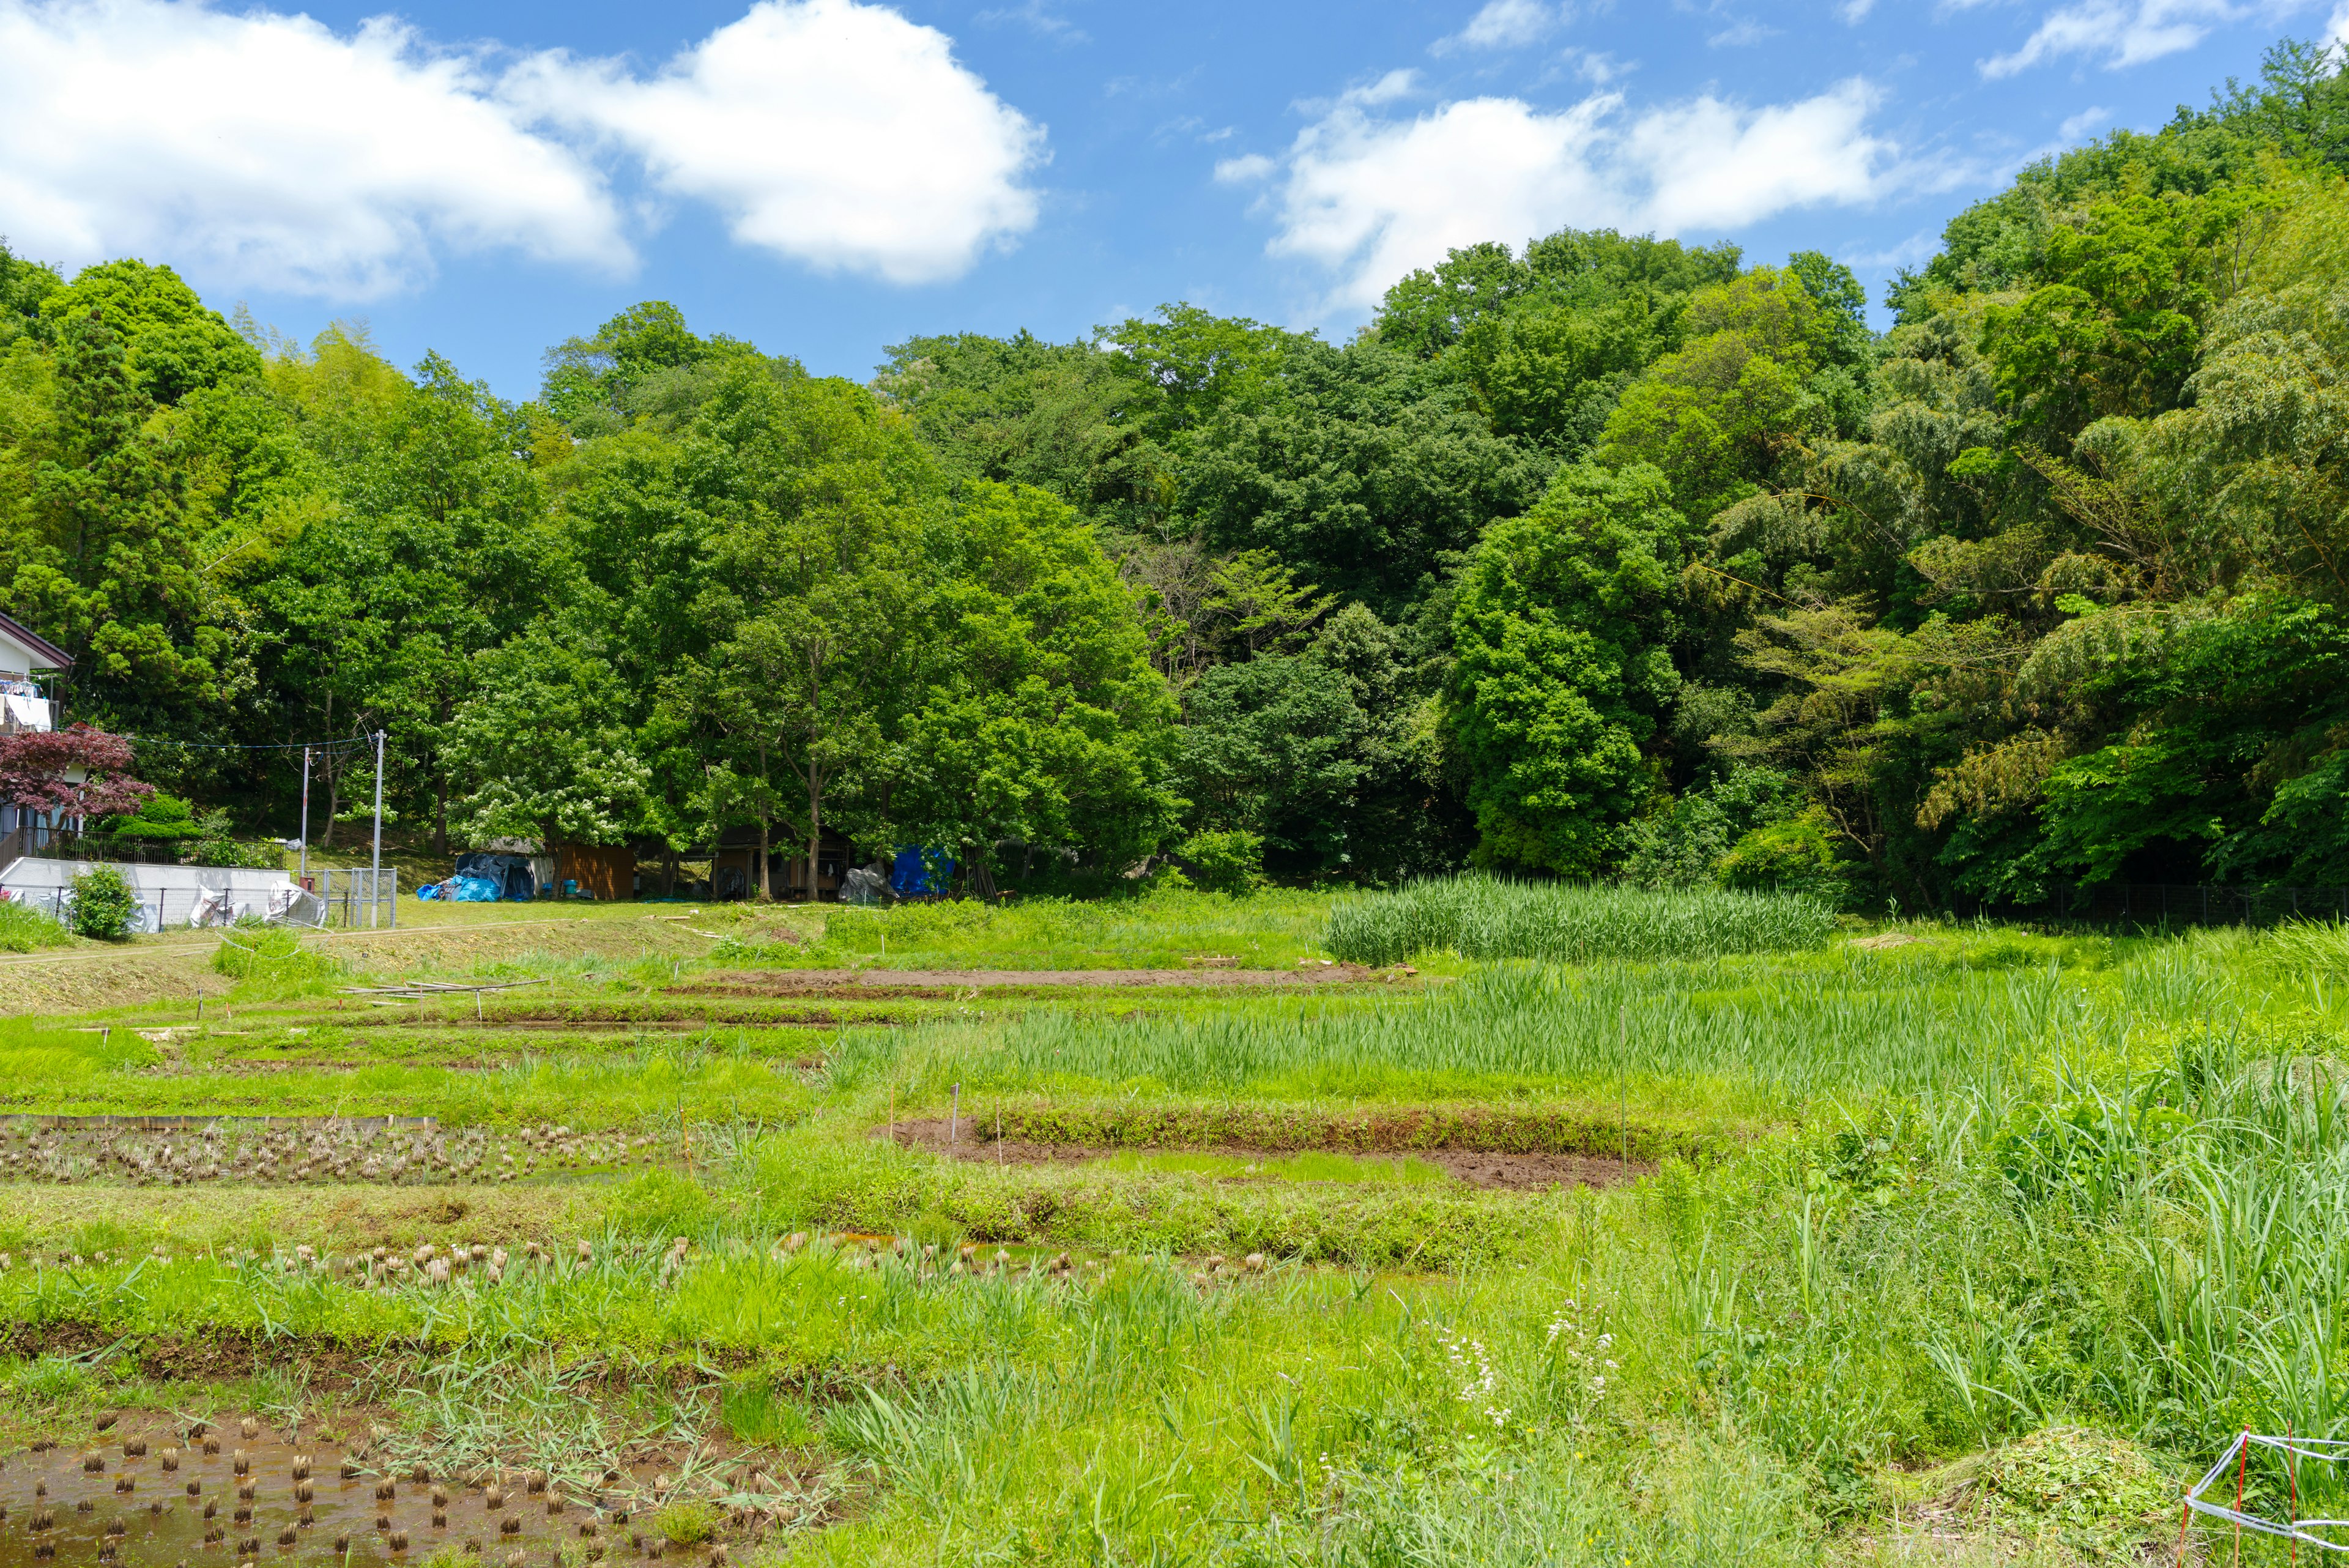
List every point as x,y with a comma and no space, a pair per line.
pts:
359,898
348,900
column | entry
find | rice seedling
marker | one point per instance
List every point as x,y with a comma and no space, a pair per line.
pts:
1568,922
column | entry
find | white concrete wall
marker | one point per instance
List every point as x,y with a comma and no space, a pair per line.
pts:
167,894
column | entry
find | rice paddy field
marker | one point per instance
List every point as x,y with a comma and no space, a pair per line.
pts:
1469,1224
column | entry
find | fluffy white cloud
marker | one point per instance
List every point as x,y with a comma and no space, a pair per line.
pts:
1370,198
837,134
1501,25
269,152
2125,32
1708,164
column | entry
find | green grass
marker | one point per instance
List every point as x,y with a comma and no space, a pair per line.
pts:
1568,922
25,930
1919,1213
1272,929
1765,1030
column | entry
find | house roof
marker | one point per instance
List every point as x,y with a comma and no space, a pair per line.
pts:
57,657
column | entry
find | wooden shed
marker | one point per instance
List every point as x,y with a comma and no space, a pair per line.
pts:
606,870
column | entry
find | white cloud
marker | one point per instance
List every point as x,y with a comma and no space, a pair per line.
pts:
1855,12
1370,198
2125,32
1599,69
834,133
1038,17
1714,165
269,152
1386,89
1244,170
1738,35
2081,126
1501,25
2336,30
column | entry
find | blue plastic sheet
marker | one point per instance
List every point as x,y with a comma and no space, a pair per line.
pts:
919,872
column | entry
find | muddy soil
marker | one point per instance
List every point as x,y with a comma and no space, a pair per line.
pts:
1496,1171
158,1495
949,982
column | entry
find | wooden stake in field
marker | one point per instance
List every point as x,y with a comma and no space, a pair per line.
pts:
998,1137
1623,1082
954,1116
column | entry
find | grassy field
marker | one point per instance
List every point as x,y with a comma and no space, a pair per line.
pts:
1572,1229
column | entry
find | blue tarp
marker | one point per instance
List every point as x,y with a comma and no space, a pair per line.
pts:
507,877
919,873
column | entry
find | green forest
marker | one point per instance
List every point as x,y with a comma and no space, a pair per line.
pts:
1600,556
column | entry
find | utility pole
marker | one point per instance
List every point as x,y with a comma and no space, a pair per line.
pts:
304,873
375,876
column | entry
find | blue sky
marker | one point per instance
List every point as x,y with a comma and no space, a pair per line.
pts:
826,177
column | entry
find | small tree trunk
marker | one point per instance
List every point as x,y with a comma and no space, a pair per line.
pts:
766,889
441,815
816,829
669,870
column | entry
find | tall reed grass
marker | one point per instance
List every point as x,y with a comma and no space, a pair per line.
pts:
1902,1028
1568,922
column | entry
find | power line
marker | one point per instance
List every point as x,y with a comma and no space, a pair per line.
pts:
215,746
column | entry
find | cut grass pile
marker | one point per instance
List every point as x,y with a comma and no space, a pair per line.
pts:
1568,922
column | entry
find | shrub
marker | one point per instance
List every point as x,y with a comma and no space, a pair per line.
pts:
1794,854
103,904
1225,862
216,846
1569,922
163,816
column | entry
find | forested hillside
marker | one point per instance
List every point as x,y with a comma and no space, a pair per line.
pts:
1603,556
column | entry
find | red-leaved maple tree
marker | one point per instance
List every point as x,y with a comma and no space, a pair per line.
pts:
35,766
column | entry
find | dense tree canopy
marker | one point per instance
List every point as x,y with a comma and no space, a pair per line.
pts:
1602,555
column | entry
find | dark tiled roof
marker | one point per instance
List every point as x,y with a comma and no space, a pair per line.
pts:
57,657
